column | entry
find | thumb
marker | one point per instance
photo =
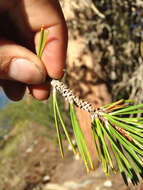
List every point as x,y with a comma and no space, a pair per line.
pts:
20,64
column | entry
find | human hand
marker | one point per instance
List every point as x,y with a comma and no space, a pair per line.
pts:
19,36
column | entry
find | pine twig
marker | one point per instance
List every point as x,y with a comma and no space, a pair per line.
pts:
69,96
124,134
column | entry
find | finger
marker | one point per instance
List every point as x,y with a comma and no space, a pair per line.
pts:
9,89
20,64
40,92
48,13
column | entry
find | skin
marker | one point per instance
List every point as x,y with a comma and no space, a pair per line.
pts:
21,21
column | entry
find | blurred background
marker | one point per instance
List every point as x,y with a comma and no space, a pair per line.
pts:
104,63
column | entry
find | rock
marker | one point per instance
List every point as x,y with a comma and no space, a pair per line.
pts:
74,143
53,186
29,150
76,185
70,185
108,183
77,156
46,178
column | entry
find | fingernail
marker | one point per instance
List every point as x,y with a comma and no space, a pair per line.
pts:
25,71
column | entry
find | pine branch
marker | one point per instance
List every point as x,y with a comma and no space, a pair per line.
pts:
124,134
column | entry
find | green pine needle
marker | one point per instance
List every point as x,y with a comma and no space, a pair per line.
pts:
111,127
95,139
55,104
83,149
57,126
108,157
42,42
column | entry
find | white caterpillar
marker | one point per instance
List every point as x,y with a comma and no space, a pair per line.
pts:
69,96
